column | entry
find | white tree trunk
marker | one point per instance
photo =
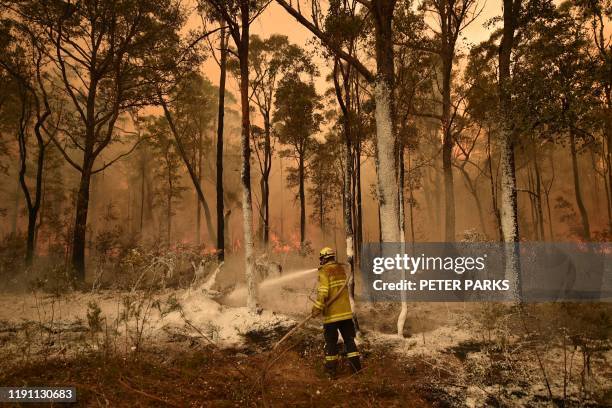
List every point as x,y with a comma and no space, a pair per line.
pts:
350,251
247,210
245,176
385,164
348,228
508,212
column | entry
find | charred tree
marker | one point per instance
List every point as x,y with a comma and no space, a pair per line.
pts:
219,153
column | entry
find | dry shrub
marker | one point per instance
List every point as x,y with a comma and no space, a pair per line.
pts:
129,266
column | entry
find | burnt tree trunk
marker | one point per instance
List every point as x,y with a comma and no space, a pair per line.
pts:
80,221
411,201
401,319
302,197
265,179
493,185
33,205
169,203
219,162
358,204
198,232
447,148
142,194
358,194
538,191
190,168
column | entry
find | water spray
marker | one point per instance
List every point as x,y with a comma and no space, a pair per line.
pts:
286,277
239,292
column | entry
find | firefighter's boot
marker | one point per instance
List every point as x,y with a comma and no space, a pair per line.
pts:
354,362
331,366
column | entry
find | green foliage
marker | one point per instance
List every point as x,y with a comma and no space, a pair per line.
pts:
297,113
297,118
553,76
194,108
130,46
170,188
326,181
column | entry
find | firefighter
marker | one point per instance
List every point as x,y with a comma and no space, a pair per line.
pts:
337,316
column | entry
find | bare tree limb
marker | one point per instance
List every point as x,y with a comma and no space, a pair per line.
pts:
327,41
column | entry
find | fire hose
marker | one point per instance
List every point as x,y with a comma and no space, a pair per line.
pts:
307,319
269,362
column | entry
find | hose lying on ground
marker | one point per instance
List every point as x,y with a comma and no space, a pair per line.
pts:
310,316
269,361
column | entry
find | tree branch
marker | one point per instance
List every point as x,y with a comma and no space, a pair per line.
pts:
119,157
326,40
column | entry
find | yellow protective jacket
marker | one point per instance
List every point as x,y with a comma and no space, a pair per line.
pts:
331,280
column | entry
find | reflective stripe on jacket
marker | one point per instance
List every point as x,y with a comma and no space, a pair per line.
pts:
331,281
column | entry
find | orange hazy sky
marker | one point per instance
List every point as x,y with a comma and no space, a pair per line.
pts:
275,20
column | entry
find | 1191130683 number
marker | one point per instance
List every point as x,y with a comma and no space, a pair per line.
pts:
37,394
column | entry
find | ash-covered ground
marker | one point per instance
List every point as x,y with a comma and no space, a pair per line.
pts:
201,347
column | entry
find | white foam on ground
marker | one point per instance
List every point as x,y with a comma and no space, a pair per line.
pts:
223,325
226,325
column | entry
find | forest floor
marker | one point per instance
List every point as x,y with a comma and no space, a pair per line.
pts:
181,348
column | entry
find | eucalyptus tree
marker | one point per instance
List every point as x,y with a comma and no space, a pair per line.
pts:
414,72
238,15
110,57
554,78
298,118
208,15
194,108
219,153
29,109
325,182
597,15
482,104
269,60
169,189
377,14
344,22
508,189
5,125
451,18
